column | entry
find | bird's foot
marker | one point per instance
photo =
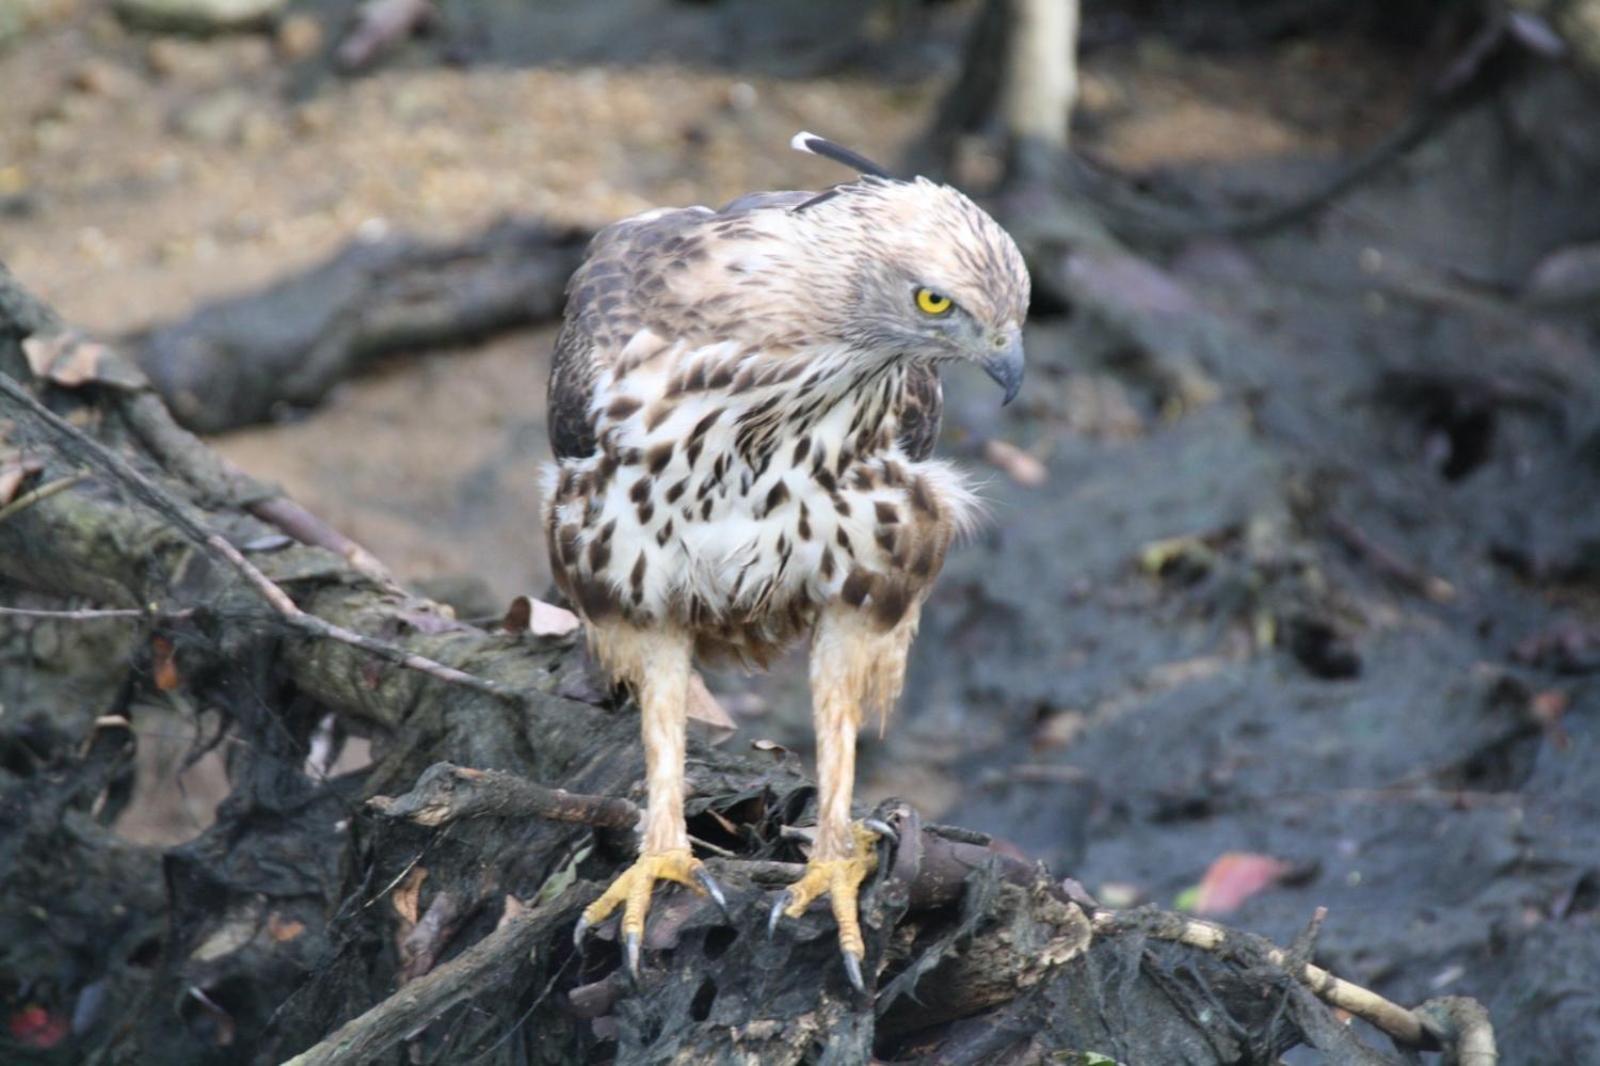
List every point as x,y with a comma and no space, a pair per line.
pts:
840,880
631,892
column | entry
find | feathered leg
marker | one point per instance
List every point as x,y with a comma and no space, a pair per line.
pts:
656,665
855,666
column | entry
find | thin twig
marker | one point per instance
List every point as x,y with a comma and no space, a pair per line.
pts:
1399,1022
163,503
1388,564
494,959
43,492
292,517
94,614
183,454
1463,1025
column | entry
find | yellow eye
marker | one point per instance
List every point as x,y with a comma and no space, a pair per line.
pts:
932,303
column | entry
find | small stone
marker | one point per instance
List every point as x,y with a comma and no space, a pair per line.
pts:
101,77
188,61
1567,276
299,38
19,16
215,119
313,117
200,16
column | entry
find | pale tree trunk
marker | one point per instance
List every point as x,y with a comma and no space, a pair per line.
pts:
1040,86
1042,71
1018,84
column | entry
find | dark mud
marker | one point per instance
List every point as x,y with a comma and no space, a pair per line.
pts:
1293,678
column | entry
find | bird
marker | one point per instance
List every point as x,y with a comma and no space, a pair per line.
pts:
743,404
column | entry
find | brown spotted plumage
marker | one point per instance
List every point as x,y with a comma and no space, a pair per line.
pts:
742,408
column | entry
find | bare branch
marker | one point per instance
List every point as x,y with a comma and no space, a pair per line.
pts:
220,481
447,793
1463,1025
77,443
487,963
43,492
1402,1024
94,614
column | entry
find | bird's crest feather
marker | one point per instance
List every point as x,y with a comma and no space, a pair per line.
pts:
811,144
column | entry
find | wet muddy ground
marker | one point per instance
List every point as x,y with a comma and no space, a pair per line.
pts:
1298,606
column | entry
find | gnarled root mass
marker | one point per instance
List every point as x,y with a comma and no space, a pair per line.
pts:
320,922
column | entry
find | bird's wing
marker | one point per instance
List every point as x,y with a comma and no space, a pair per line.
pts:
607,303
621,289
572,374
921,408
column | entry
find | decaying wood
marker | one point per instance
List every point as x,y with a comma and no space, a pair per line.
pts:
421,1001
1042,72
76,443
447,793
962,941
241,360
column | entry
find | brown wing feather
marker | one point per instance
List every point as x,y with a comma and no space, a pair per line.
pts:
606,304
572,373
921,409
620,288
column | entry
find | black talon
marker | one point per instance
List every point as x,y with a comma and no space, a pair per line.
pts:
631,942
852,969
777,912
579,931
882,828
714,890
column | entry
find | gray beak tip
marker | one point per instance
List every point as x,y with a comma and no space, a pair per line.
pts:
1005,367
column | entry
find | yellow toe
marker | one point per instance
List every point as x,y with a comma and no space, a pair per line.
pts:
840,880
631,891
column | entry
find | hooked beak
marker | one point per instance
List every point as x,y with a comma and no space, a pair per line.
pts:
1005,365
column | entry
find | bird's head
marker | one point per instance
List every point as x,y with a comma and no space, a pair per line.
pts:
920,271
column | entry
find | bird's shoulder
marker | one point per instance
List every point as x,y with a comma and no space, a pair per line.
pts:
636,283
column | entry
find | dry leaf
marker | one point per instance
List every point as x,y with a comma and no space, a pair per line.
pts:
514,909
518,616
1234,877
1018,465
407,894
238,928
703,706
164,664
267,542
35,1027
13,473
225,1030
528,615
551,621
1548,707
283,929
71,359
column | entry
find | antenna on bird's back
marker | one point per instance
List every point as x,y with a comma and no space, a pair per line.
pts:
811,144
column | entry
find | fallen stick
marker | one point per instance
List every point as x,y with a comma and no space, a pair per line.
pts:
1397,1021
447,793
76,443
487,963
93,614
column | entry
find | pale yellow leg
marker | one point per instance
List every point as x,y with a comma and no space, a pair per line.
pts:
854,666
656,665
